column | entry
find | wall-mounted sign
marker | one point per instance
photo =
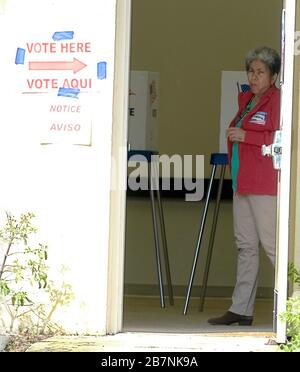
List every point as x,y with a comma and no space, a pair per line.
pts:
61,74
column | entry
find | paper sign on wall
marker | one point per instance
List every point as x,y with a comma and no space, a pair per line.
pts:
60,77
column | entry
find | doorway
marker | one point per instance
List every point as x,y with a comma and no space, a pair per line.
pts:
189,44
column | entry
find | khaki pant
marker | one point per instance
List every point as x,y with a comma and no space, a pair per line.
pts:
254,218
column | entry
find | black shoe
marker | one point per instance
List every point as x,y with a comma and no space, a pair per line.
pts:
230,318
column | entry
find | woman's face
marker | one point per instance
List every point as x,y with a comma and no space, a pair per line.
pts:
259,77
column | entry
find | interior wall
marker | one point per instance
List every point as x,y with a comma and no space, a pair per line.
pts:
189,42
182,222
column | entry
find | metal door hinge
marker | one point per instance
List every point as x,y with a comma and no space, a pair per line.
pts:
274,150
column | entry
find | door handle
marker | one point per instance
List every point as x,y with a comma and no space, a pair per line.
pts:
274,150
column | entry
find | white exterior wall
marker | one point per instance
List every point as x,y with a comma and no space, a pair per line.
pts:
65,183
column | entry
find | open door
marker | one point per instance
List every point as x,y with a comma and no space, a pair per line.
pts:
287,52
116,259
119,154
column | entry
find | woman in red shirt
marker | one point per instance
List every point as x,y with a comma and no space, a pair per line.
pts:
254,180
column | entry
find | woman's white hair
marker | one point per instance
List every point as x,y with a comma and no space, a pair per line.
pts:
267,55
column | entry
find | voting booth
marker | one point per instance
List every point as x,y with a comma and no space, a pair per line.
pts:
143,110
232,83
143,146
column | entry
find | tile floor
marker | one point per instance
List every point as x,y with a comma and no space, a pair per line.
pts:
144,314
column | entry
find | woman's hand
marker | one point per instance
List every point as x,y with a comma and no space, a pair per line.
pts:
236,134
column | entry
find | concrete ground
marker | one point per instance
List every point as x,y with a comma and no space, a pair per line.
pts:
148,328
162,342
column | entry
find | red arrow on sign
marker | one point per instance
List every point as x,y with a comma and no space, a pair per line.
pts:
75,65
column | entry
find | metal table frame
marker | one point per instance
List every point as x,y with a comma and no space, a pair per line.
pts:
215,160
157,220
